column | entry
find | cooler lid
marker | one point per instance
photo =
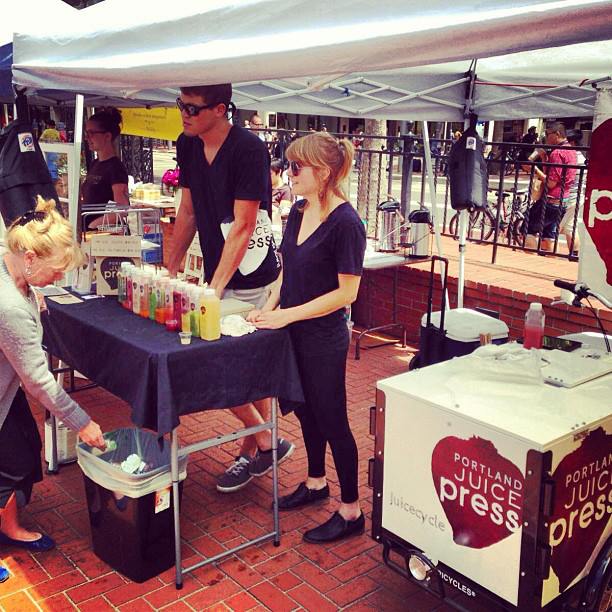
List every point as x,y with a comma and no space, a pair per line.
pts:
419,216
466,325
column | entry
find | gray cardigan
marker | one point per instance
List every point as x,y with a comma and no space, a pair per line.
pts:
22,358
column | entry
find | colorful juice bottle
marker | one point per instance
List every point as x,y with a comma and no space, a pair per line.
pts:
121,284
136,274
169,302
160,295
533,330
128,286
176,301
185,297
194,310
153,297
144,294
210,315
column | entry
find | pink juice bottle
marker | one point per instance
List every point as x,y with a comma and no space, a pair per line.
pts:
185,299
533,331
128,286
176,301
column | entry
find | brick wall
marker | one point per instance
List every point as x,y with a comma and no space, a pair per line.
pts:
374,305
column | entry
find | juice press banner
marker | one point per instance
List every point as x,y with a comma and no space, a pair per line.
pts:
481,491
454,488
596,251
582,515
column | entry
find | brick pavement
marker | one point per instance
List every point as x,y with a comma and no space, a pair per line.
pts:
296,576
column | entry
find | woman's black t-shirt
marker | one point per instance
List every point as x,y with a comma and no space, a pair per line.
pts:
311,269
102,175
98,186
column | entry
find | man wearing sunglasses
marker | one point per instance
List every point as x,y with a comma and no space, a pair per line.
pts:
226,196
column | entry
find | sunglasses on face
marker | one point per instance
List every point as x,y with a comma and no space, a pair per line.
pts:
192,109
295,168
31,215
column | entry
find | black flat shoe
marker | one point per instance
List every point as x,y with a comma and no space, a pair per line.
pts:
302,496
336,528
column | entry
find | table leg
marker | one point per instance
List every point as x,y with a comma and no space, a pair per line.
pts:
275,471
52,468
174,469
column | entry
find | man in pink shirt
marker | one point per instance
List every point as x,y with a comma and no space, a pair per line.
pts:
547,212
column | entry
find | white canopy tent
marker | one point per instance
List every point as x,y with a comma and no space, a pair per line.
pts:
392,59
421,53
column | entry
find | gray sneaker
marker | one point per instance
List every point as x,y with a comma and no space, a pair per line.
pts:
263,461
236,476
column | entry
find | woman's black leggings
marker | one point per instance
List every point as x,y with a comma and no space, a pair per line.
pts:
324,418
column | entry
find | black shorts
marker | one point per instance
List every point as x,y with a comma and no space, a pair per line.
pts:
544,218
20,446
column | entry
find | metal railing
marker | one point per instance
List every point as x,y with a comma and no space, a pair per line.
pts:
394,167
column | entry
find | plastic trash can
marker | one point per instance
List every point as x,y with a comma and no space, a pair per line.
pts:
131,514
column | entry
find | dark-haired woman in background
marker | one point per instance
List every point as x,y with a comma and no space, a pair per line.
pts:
107,178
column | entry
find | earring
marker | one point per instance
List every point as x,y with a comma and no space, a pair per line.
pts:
28,271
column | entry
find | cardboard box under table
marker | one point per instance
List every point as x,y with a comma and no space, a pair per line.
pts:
497,485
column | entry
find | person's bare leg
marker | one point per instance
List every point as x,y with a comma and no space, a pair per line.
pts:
548,245
249,444
572,247
9,523
251,417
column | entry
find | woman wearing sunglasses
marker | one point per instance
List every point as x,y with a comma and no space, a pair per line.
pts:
107,178
322,250
40,249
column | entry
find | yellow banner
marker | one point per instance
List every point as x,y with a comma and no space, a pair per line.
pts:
162,123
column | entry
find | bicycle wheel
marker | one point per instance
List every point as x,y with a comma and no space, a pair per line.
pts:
483,224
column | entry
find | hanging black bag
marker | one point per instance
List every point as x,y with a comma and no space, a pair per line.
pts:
23,172
467,172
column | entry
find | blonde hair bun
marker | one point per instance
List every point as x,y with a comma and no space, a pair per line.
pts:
45,206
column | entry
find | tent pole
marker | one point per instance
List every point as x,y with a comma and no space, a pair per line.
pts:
6,115
75,163
432,187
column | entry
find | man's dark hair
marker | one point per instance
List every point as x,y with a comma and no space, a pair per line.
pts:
532,129
211,94
556,126
574,137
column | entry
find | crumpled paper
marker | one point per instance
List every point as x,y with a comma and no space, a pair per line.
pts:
132,464
235,325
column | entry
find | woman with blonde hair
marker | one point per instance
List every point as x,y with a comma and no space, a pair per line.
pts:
40,248
322,250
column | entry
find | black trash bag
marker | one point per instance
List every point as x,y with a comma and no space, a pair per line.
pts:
23,172
467,172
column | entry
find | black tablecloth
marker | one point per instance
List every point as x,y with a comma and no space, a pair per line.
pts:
142,363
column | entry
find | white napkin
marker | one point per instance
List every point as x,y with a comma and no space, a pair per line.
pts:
132,464
235,325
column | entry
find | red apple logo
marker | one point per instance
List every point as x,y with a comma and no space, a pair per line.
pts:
583,505
481,492
598,195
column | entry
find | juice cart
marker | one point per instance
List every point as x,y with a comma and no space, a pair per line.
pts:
493,487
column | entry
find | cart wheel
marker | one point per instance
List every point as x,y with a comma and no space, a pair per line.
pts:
415,362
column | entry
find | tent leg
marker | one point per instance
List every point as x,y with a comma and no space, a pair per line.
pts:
75,162
463,222
432,188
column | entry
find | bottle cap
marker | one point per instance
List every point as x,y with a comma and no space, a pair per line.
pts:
209,291
535,306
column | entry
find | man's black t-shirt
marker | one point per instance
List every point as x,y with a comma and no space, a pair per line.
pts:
311,270
102,175
240,171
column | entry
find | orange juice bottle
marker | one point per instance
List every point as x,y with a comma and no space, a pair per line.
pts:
210,315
